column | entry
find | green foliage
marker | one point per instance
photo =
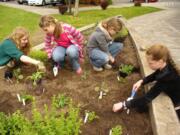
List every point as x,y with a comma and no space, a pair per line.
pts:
17,74
39,55
60,101
110,2
27,97
123,32
51,122
36,77
117,130
92,116
126,69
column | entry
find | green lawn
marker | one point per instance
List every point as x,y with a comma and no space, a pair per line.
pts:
11,18
88,17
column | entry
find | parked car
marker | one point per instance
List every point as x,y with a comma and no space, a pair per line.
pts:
39,2
54,2
22,1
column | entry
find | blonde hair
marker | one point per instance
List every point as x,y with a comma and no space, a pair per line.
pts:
17,35
113,22
46,21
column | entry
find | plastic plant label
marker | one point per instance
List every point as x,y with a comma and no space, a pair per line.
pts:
55,70
86,117
19,98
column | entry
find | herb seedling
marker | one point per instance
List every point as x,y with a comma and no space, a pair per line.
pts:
90,116
35,77
127,69
117,130
60,101
85,75
17,74
103,90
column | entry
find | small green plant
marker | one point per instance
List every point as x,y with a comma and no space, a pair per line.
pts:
117,130
27,97
127,69
91,115
123,32
35,77
17,74
60,101
39,55
85,75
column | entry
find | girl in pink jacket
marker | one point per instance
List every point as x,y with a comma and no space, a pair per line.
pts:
62,40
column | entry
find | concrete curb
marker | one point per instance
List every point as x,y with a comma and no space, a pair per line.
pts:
164,119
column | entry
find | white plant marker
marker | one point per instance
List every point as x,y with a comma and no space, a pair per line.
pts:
55,71
19,98
43,90
101,94
86,117
110,132
23,100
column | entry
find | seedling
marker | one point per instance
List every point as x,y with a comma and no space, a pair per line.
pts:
17,74
60,101
90,116
126,69
117,130
36,77
121,79
85,75
24,98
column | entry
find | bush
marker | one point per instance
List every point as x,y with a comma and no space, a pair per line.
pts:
39,55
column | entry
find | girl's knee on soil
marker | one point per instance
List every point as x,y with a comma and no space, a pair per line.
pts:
101,42
16,47
166,77
62,39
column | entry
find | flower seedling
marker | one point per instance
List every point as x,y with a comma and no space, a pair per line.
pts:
90,116
17,74
24,98
117,130
60,101
36,77
126,69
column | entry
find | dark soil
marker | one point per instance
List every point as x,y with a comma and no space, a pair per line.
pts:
82,91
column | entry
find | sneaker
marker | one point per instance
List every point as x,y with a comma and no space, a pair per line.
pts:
97,69
107,66
79,71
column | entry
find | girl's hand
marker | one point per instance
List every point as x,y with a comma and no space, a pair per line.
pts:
137,85
117,106
111,59
41,66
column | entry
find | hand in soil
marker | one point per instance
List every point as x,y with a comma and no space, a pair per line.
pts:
118,107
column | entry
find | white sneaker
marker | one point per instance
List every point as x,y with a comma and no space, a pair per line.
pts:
107,66
97,69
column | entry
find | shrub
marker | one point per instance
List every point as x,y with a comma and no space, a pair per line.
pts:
39,55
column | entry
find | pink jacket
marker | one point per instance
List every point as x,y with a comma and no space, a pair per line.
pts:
75,37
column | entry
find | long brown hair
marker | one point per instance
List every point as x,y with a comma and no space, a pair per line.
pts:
46,21
113,22
159,52
17,35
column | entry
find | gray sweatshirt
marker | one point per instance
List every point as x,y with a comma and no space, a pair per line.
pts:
100,38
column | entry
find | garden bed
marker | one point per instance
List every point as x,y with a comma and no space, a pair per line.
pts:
82,90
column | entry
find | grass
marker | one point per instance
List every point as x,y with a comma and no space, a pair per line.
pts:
11,18
88,17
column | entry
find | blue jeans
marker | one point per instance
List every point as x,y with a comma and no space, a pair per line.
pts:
59,53
98,58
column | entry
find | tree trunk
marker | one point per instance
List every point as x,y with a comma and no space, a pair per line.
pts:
76,8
